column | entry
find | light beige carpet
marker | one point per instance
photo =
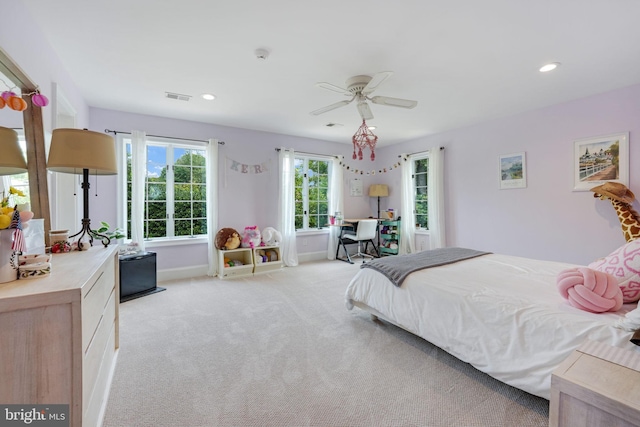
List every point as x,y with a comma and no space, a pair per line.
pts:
282,350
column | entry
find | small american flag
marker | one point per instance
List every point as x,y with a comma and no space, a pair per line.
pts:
18,244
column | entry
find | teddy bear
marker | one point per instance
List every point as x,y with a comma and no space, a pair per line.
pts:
227,239
271,237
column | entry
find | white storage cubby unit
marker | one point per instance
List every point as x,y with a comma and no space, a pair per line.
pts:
244,255
266,258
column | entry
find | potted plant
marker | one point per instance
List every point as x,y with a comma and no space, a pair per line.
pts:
113,234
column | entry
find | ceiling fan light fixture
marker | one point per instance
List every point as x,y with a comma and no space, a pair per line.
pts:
549,67
359,88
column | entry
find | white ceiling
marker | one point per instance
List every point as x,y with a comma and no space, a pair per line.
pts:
464,61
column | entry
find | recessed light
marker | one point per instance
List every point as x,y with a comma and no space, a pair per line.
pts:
208,96
372,128
549,67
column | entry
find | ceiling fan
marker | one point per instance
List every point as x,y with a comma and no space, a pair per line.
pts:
359,88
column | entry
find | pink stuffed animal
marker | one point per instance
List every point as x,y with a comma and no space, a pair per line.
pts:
251,237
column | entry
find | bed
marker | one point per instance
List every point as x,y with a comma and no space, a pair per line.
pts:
502,314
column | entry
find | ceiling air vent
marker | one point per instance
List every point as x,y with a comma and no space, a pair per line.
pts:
177,96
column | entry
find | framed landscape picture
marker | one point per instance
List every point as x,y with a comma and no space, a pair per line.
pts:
601,159
513,171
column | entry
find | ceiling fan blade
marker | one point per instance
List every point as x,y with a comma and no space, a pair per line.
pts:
330,107
393,102
376,81
365,111
333,88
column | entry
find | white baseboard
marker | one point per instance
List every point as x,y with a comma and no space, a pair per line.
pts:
201,270
312,256
182,273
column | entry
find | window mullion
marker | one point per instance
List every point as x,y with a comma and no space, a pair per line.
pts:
170,192
305,194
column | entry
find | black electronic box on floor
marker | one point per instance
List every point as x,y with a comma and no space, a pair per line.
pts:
138,275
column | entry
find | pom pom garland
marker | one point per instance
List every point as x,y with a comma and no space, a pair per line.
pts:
10,99
16,103
7,94
40,100
590,290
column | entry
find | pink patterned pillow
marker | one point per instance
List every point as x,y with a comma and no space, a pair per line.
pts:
624,265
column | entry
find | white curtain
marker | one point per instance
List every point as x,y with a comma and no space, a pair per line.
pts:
138,176
286,212
5,183
212,205
336,203
435,195
408,223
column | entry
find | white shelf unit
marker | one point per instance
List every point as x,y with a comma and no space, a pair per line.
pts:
243,255
273,259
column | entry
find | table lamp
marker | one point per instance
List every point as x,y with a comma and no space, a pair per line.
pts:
83,151
378,190
11,158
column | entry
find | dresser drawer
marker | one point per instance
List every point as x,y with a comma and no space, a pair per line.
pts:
95,301
95,353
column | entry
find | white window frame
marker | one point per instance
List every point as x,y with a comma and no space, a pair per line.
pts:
171,144
305,190
414,174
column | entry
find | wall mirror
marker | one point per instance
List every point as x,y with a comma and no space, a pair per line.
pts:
34,136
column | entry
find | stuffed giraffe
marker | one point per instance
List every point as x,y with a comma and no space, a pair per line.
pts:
621,198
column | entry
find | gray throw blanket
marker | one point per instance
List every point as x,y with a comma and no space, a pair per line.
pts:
397,268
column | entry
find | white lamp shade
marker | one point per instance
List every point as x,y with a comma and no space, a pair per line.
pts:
73,150
11,158
378,190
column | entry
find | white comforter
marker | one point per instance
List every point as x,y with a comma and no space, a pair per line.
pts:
502,314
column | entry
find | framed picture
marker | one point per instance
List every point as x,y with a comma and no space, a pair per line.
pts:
355,187
513,171
601,159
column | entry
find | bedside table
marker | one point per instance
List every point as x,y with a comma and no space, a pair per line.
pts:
597,385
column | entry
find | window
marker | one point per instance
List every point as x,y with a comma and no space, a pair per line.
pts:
421,185
311,192
18,181
175,190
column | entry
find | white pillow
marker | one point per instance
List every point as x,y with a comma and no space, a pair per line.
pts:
624,265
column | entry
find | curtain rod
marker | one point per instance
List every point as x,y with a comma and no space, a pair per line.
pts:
311,154
115,132
417,152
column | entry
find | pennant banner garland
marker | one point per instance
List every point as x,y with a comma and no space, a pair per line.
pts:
372,171
250,169
263,167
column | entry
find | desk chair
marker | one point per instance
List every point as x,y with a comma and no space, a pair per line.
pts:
366,231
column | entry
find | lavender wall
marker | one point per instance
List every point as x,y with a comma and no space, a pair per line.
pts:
245,199
546,220
29,48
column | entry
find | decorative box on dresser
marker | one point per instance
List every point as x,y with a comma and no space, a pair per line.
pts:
59,335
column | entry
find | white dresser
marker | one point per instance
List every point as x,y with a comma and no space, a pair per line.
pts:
59,335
